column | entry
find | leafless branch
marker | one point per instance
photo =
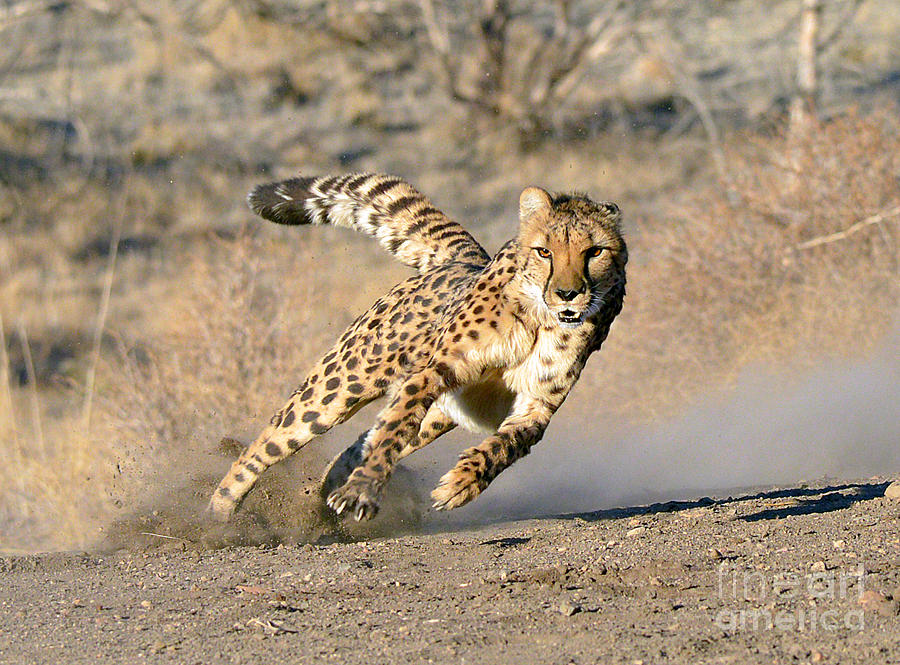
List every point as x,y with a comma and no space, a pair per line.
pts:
551,67
32,384
23,9
845,19
565,78
5,379
436,28
101,316
160,31
877,218
439,37
687,86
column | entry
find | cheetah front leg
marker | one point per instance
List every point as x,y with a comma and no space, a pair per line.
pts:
479,465
385,443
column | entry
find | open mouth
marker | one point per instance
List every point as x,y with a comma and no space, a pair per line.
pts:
569,317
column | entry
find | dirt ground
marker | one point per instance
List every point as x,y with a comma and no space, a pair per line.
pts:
796,574
129,134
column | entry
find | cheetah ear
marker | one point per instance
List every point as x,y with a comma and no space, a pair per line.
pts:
533,200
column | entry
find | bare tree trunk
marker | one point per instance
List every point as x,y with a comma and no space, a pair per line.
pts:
803,106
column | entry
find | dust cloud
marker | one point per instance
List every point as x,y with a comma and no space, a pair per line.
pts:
840,420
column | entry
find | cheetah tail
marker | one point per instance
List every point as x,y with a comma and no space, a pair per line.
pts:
402,220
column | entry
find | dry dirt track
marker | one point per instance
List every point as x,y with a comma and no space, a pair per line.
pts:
803,574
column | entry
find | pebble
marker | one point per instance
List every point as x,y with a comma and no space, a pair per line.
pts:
636,531
872,600
818,567
893,490
568,609
798,652
890,608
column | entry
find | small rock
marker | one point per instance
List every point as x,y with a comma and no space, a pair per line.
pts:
870,597
889,608
271,626
568,609
838,544
872,600
715,554
818,567
893,490
146,604
636,531
798,652
817,657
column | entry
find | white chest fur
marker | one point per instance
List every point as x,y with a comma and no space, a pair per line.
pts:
479,406
515,369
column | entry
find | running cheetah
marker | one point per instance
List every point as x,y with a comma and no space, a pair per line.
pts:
492,344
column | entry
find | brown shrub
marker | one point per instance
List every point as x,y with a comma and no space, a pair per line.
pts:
223,341
226,351
749,271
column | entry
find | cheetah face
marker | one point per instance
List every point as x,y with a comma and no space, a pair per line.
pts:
571,255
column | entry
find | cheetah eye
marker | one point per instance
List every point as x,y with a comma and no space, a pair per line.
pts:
594,252
543,252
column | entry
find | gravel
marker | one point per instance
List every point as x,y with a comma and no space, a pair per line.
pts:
744,579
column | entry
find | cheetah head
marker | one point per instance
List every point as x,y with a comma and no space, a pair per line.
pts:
571,255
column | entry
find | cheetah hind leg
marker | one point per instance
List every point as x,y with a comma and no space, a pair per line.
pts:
310,412
435,424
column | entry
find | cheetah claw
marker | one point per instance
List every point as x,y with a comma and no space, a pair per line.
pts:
454,491
355,500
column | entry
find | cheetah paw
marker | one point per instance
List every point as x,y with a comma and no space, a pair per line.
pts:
354,497
456,488
220,508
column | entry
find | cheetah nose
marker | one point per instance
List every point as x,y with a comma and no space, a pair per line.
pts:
567,294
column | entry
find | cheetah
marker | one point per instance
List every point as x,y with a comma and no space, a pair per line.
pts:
492,344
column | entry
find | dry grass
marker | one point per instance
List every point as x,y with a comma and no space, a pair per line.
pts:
226,340
206,338
722,278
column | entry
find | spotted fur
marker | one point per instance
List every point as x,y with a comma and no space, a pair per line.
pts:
493,344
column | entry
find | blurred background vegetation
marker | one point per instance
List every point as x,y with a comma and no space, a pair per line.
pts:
144,314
